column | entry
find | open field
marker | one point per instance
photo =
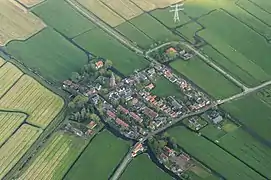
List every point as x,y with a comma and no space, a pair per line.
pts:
2,61
61,16
29,96
148,170
248,149
135,35
189,31
148,5
266,5
99,159
254,112
165,88
49,54
245,48
209,80
102,11
103,45
55,159
166,17
153,28
9,74
212,155
16,146
30,3
16,22
9,122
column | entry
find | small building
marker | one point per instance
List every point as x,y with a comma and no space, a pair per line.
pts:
111,114
136,117
169,151
122,109
150,86
217,119
152,114
67,82
99,64
171,50
138,148
92,125
122,123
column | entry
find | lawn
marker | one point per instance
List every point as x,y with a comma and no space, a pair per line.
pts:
166,17
165,88
61,16
206,77
50,54
189,31
248,149
99,159
135,35
212,155
154,28
142,168
101,44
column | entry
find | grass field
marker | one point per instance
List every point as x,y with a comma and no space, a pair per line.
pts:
135,35
266,5
2,61
61,16
166,17
199,173
209,80
29,96
50,54
99,159
9,122
212,155
153,28
248,149
148,170
55,159
16,22
16,146
189,31
165,88
9,74
101,44
153,4
30,3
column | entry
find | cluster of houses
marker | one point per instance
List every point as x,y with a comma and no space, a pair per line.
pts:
176,162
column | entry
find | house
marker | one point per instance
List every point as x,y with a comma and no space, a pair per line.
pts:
122,109
185,157
99,64
111,114
150,86
169,151
152,114
171,50
151,72
91,92
92,124
167,74
137,149
122,123
163,157
217,119
67,82
136,117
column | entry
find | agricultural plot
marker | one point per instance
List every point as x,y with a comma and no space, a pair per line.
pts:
266,5
135,35
249,150
209,80
198,8
55,159
164,16
30,3
12,151
50,54
102,11
2,61
189,31
212,155
99,159
148,170
153,28
61,16
148,5
101,44
9,122
16,22
29,96
9,74
165,88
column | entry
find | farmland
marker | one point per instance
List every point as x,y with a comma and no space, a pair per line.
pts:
148,170
189,31
9,74
100,158
213,156
210,80
101,44
16,146
9,122
16,23
153,4
49,54
263,4
2,61
164,88
30,3
29,96
54,160
61,16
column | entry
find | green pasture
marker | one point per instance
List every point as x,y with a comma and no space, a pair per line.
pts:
165,88
189,31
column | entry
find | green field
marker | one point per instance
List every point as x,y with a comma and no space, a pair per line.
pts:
142,168
135,35
189,31
248,149
206,77
165,88
266,5
99,159
101,44
153,28
198,8
49,54
166,17
61,16
212,155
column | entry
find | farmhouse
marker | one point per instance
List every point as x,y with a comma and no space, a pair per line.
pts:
171,50
99,64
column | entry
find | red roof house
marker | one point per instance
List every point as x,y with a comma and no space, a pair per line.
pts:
92,124
111,114
136,117
99,64
122,109
121,122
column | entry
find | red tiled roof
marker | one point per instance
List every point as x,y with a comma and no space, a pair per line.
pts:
150,86
135,116
99,64
121,122
150,113
124,110
171,49
92,124
110,114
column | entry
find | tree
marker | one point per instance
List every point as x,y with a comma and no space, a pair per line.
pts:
108,63
71,106
75,77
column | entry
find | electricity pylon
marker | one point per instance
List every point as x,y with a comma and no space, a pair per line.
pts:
176,9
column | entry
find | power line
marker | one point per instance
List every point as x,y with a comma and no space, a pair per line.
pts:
176,8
